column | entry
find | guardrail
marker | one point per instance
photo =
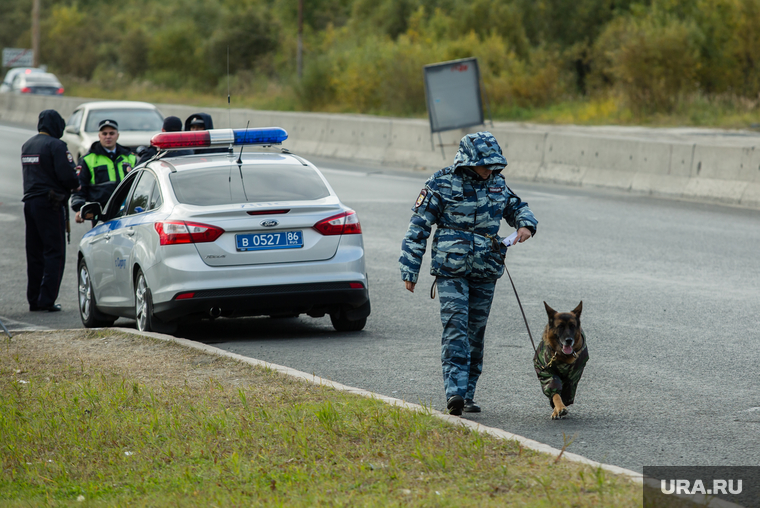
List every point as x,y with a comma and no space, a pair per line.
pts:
696,164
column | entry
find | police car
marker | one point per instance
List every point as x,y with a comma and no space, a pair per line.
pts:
222,233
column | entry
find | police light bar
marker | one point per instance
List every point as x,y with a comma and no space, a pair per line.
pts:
219,137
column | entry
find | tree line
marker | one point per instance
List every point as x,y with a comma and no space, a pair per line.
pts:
366,56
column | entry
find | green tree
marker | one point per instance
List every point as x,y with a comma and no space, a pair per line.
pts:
71,41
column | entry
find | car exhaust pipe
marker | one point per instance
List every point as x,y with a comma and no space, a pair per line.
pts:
215,312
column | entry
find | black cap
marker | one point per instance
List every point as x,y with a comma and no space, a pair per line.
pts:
172,124
108,123
198,121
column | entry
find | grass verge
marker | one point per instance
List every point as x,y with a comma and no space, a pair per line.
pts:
725,111
103,418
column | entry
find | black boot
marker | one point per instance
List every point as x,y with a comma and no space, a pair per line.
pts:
470,406
455,405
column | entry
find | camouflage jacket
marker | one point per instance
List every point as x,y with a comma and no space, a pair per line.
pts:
558,377
467,211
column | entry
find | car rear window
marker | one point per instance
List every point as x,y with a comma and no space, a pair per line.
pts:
41,79
260,183
128,119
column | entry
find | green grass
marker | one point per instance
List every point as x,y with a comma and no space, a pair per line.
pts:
267,96
82,419
727,111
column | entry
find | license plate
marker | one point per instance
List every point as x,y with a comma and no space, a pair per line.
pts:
269,241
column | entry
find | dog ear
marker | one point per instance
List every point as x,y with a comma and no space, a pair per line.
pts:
550,312
578,309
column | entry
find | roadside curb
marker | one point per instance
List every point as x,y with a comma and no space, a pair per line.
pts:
311,378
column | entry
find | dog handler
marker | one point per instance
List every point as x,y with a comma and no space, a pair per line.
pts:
466,201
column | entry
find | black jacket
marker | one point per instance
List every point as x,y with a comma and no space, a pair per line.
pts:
46,162
103,187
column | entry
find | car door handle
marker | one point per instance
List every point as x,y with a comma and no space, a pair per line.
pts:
130,232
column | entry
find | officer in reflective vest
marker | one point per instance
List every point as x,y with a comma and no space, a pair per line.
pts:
101,170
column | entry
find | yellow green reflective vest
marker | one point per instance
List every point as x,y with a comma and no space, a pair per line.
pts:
95,160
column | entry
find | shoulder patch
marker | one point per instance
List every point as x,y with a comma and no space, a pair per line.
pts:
420,199
69,157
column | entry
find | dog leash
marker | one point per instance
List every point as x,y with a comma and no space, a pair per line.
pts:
525,319
518,302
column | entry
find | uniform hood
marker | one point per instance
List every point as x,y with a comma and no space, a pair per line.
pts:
208,122
480,149
51,122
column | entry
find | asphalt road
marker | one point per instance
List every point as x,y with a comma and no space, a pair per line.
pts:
671,309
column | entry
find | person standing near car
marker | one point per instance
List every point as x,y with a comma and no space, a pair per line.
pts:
102,168
49,178
467,202
199,122
171,124
202,122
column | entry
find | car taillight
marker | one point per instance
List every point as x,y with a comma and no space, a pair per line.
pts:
346,223
26,89
176,232
59,91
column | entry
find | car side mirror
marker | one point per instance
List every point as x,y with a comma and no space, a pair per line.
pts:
72,129
91,211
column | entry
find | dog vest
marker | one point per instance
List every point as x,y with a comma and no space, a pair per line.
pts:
558,377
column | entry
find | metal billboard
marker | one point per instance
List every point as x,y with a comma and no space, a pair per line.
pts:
17,57
452,90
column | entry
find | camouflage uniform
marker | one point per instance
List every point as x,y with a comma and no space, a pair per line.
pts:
560,377
467,256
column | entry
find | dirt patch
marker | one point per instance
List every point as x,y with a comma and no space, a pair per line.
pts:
132,356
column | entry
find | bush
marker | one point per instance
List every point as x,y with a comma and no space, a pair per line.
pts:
653,60
176,58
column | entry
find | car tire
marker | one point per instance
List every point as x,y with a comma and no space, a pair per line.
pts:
145,320
88,307
343,324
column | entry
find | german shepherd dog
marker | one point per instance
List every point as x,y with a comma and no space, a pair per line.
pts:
561,357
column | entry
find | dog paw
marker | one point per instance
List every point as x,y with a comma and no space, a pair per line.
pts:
559,414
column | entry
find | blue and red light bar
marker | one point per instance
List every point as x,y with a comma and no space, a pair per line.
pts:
219,137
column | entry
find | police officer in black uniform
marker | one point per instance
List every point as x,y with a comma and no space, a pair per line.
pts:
49,178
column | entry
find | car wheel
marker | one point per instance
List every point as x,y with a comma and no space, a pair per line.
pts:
146,321
88,308
342,324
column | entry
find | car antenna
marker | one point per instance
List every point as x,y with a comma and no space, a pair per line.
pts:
229,110
240,155
239,162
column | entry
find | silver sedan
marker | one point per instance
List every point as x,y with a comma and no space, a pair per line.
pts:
222,235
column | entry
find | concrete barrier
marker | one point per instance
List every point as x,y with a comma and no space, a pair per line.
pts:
696,164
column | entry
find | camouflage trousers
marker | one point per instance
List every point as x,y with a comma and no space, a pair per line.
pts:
465,305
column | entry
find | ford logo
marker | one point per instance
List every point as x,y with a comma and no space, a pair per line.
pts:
269,223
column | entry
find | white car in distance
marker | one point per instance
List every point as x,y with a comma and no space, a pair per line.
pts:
138,122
